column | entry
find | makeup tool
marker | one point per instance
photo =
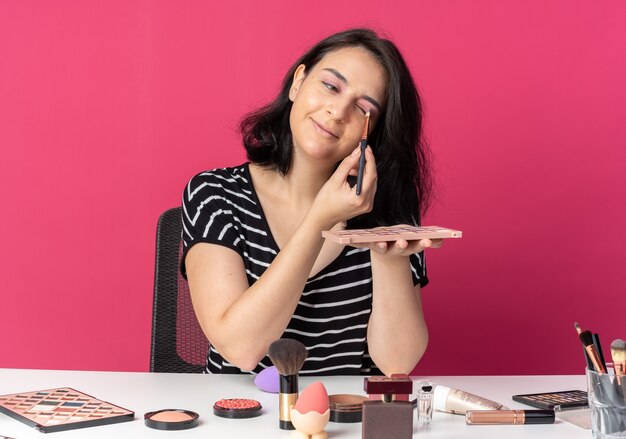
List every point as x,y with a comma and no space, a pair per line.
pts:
171,419
459,401
425,406
587,340
237,408
311,413
577,326
587,359
288,356
363,146
618,352
346,408
61,409
268,380
510,417
567,399
389,417
390,233
596,342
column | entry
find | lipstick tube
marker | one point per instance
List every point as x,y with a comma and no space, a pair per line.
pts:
509,417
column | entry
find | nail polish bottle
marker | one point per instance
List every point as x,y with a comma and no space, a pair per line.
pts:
388,413
425,406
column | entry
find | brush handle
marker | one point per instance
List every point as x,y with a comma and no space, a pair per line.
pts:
359,178
286,400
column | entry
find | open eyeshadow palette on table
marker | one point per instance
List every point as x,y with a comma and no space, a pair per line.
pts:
61,409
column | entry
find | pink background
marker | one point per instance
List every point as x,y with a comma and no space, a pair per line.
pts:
107,108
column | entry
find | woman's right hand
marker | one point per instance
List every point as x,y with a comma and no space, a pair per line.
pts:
337,201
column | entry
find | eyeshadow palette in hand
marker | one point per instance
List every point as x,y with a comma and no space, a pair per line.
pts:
568,399
390,233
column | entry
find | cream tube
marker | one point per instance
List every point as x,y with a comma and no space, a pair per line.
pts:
458,401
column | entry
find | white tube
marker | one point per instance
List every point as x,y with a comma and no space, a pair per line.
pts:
458,401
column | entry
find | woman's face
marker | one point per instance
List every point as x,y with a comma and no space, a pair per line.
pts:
330,102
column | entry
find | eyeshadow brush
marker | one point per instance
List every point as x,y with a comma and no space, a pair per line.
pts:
288,356
587,340
363,146
587,359
596,342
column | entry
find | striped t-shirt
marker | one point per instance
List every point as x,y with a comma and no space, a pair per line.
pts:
221,207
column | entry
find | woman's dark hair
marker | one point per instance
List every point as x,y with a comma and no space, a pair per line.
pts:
402,157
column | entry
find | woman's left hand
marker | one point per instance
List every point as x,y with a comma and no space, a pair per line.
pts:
401,247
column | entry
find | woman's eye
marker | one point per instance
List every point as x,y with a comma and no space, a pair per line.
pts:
361,109
330,86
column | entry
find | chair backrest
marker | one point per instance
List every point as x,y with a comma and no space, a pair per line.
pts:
178,343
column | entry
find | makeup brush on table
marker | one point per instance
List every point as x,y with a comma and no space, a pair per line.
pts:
288,356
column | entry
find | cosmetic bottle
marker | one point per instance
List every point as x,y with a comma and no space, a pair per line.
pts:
425,406
458,401
388,413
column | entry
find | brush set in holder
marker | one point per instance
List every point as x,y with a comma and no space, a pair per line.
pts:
606,385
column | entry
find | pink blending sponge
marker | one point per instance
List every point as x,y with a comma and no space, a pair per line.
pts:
313,399
268,380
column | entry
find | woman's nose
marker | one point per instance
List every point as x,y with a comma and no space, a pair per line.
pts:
337,109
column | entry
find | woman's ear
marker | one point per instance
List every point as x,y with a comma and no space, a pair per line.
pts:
298,77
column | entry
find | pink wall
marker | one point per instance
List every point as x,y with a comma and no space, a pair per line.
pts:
107,108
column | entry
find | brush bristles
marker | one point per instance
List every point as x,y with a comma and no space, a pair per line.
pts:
586,337
618,350
577,326
288,355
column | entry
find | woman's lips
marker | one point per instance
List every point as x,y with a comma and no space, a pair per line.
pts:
324,131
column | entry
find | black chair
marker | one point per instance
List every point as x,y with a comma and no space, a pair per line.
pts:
178,343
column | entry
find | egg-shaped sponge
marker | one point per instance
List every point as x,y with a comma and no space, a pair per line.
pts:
268,380
313,399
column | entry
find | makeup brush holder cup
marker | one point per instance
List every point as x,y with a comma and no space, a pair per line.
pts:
608,404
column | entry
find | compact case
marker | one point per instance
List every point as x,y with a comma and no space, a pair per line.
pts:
346,408
61,409
171,419
237,408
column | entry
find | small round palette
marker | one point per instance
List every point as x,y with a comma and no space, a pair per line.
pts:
171,419
237,408
346,408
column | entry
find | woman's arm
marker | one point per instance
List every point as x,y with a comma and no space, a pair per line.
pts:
397,335
239,320
242,320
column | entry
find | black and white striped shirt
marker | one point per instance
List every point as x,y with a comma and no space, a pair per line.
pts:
221,207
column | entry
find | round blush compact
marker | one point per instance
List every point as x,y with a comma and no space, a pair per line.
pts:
171,419
237,408
346,408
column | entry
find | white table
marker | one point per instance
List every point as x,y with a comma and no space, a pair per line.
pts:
144,392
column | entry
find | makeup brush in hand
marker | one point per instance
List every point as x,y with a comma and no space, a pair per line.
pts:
288,356
618,352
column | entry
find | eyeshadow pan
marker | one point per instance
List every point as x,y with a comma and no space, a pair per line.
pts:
73,404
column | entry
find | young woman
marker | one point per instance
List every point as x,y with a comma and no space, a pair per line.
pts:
257,265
